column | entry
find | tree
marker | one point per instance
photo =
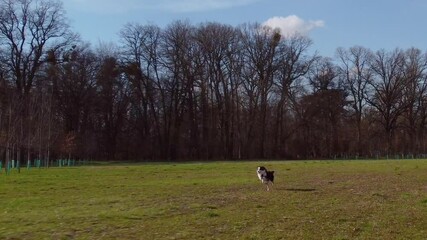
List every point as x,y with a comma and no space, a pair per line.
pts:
219,47
294,64
74,81
183,66
142,60
323,111
259,44
388,84
355,73
113,103
27,29
414,97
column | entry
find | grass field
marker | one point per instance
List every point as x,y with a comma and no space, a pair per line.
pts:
220,200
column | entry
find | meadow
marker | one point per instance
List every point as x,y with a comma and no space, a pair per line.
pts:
384,199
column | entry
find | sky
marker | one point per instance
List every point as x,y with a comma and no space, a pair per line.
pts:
375,24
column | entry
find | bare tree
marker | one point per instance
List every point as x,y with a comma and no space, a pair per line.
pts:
260,44
140,51
355,73
293,65
180,59
27,29
323,110
388,84
219,47
414,97
113,103
74,83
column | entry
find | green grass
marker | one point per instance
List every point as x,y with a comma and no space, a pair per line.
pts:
221,200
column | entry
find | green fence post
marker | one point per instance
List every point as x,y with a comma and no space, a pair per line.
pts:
8,167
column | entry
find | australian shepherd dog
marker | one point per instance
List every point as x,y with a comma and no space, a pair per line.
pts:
266,177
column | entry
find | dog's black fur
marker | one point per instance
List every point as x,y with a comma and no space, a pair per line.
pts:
265,176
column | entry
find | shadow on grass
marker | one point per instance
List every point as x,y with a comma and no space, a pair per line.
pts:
300,189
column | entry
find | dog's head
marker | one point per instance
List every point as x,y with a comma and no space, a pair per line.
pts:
261,171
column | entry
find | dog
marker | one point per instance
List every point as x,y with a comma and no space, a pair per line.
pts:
266,177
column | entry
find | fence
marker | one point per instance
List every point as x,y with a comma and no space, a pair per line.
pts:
11,165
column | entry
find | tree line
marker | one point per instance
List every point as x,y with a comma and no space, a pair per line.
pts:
205,91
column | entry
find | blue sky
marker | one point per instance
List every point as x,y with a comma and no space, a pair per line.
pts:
375,24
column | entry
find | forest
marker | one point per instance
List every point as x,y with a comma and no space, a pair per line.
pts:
207,91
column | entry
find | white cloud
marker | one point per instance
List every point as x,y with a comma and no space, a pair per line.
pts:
114,6
293,25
